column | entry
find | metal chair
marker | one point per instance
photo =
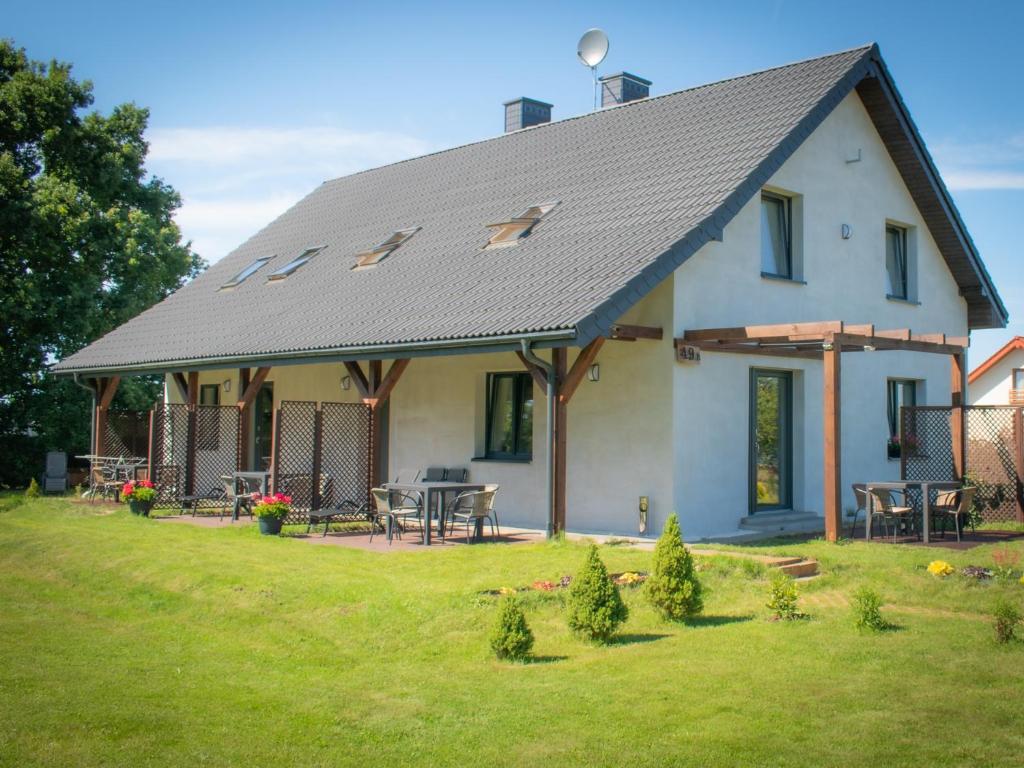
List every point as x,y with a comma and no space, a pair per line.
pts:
393,516
456,474
890,512
860,494
55,478
955,505
471,508
435,474
240,501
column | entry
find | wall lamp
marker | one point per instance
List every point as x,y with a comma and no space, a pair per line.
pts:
594,372
346,383
227,385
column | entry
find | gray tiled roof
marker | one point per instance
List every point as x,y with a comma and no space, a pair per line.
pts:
641,187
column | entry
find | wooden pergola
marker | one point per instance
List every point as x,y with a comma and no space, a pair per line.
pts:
827,341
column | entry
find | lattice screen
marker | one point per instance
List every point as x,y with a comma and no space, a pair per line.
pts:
213,430
217,446
127,434
294,445
170,453
927,443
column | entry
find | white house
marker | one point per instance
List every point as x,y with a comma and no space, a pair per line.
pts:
668,283
1000,379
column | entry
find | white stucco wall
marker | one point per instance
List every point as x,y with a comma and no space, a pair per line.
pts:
994,385
721,286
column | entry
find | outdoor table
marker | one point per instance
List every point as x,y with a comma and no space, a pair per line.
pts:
903,485
262,477
428,491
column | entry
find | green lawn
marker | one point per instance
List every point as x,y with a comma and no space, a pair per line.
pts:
125,641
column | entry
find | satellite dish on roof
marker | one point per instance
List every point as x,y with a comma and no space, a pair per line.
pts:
592,47
591,50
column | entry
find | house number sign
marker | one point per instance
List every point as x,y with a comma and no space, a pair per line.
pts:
687,353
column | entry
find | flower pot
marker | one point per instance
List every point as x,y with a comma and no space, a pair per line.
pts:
270,526
140,507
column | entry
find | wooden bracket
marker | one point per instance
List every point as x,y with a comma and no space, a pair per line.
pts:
539,375
634,332
249,393
355,372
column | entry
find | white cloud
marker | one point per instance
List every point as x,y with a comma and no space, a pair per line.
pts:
234,181
982,165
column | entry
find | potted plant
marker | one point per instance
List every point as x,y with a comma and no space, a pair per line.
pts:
140,495
271,512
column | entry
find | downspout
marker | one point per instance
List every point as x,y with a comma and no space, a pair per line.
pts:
549,443
92,413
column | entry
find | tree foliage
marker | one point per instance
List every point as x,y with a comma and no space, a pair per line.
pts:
673,587
595,607
86,242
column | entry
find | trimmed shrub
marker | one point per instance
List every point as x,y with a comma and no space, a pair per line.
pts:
1006,619
32,492
595,607
511,638
867,610
782,597
673,587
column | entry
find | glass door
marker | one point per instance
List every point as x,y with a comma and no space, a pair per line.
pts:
771,438
262,428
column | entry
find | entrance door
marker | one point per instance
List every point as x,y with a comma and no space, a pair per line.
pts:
771,439
262,428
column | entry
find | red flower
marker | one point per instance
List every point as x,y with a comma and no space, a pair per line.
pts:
146,484
128,488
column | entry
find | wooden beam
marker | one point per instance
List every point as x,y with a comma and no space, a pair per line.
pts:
540,377
567,387
884,343
831,414
957,376
558,359
634,332
193,387
179,380
373,379
109,389
807,353
244,377
387,384
355,372
901,334
751,332
252,387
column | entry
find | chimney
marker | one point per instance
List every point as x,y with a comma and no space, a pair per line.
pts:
524,112
622,87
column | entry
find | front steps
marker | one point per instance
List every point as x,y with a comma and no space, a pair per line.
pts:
771,523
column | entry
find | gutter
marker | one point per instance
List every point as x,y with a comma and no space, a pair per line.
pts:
549,443
337,354
92,412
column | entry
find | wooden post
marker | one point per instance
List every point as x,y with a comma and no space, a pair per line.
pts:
192,436
378,389
318,441
105,395
957,415
832,475
243,419
275,446
558,360
151,458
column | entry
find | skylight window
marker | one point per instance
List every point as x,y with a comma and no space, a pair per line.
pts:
294,264
379,253
510,232
247,272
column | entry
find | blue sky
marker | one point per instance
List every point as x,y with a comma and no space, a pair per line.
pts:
254,104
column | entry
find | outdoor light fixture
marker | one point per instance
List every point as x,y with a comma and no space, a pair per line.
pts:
826,347
868,348
594,372
346,383
847,231
227,385
643,508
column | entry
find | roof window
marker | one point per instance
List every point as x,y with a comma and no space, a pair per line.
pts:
247,272
510,232
294,264
379,253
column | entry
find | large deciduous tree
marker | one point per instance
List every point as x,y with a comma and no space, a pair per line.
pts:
86,242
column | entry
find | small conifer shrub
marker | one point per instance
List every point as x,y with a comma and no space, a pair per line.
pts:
32,492
782,597
595,608
673,587
511,637
1006,619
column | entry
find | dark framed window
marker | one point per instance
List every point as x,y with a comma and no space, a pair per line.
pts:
896,261
902,392
208,422
509,416
776,235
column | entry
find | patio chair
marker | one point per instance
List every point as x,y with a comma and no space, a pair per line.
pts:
193,500
471,509
55,478
435,474
327,515
493,490
387,516
241,501
860,494
407,476
890,513
456,474
955,506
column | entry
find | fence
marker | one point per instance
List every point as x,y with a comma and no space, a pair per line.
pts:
191,448
322,455
994,460
127,433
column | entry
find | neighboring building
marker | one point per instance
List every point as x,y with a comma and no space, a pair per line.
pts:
1000,379
770,207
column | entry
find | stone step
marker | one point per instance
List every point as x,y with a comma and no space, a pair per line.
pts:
801,569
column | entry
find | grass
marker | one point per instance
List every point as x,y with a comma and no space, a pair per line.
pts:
126,641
